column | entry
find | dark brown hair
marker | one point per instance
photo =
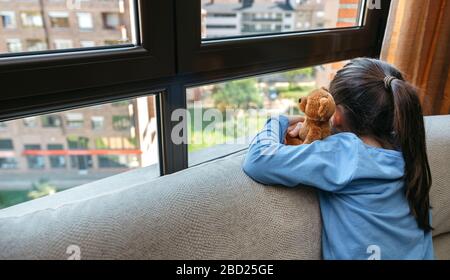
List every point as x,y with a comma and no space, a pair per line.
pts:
378,102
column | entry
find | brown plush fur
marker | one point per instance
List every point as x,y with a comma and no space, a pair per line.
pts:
318,107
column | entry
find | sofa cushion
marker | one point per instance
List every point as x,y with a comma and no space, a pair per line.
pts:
438,141
442,246
212,211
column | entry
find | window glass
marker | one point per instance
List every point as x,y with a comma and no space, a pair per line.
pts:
42,155
229,18
223,118
40,25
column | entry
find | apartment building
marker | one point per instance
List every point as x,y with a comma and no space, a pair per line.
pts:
36,25
226,18
112,135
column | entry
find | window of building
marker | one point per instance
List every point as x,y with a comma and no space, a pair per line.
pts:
30,122
56,157
85,21
31,19
61,44
70,20
111,20
75,120
67,157
87,44
8,19
34,160
112,42
6,145
59,19
51,121
34,45
13,45
117,161
98,122
122,122
298,14
225,15
64,80
226,26
8,163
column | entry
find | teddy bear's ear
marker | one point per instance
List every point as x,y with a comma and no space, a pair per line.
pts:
323,109
303,104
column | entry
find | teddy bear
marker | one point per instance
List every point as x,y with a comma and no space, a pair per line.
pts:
319,107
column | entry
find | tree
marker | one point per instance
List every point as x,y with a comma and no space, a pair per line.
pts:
291,76
242,94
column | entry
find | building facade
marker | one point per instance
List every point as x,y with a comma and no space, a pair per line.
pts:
37,25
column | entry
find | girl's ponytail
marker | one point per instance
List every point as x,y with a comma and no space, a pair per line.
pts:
409,132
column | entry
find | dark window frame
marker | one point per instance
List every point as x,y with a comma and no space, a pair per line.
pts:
56,77
171,57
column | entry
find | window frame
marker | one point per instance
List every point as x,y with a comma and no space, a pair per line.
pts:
260,54
169,58
54,78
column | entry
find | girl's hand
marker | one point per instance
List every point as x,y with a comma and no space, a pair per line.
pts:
294,130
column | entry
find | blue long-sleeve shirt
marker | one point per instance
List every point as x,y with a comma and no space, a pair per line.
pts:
365,213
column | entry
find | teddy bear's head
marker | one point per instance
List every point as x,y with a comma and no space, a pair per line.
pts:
318,105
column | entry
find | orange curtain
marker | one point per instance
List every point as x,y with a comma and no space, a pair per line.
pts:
418,43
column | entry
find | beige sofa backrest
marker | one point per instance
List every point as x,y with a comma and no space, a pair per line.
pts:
205,212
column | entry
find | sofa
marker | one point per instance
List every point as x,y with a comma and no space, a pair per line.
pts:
210,211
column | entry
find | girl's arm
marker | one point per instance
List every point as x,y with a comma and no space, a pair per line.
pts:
327,165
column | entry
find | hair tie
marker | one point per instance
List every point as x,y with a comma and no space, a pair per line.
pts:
388,81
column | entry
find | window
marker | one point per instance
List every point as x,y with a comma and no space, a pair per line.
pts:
65,157
8,19
30,122
34,160
34,45
69,20
8,163
13,45
121,122
97,122
87,44
224,117
111,20
51,121
255,17
85,21
59,19
61,44
6,144
57,160
31,19
75,120
151,75
120,161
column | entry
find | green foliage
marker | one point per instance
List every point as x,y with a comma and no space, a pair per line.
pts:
10,198
241,94
295,93
41,189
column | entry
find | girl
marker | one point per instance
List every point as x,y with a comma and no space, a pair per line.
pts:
372,175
